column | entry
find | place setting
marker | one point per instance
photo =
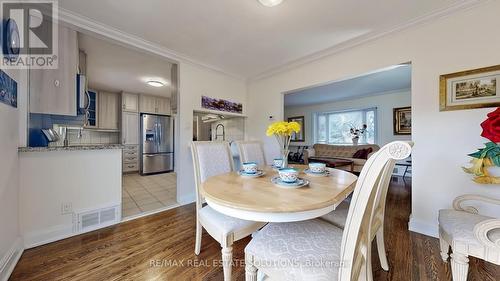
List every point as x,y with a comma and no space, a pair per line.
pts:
289,178
317,170
250,170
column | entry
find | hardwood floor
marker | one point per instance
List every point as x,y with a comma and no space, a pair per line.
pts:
161,247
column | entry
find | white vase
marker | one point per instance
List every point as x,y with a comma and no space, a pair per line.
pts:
494,171
355,141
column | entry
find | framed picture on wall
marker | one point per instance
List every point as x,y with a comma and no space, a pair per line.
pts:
300,136
470,89
402,120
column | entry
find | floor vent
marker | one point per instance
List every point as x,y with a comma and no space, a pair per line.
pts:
90,220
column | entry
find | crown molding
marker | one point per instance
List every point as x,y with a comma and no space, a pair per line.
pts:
89,25
463,5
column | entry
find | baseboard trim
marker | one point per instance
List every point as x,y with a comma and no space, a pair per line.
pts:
48,235
423,227
9,261
186,199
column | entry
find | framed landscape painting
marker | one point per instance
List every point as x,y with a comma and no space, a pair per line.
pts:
470,89
300,136
402,121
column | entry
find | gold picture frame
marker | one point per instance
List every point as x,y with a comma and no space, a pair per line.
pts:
476,88
300,136
402,120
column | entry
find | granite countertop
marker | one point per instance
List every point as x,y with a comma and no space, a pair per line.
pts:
71,148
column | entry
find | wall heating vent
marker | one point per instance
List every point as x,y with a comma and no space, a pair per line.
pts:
90,220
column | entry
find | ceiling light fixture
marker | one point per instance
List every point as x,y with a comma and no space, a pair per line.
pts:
270,3
155,83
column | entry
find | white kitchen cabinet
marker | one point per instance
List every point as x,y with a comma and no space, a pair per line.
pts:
130,102
109,105
53,91
130,158
130,128
147,104
154,105
163,106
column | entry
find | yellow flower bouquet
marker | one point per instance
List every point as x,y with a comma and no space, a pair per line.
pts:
283,132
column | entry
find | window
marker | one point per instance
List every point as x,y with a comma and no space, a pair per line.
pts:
334,127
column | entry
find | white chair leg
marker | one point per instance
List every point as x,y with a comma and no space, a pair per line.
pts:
250,269
197,245
459,267
445,247
227,260
381,249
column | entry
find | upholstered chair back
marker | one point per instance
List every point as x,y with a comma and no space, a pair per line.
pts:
356,240
251,151
329,150
210,158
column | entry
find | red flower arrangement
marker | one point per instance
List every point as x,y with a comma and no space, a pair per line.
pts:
489,155
491,126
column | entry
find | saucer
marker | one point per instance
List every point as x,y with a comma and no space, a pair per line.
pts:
308,172
297,184
259,173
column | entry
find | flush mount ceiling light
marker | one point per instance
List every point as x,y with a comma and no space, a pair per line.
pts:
155,83
270,3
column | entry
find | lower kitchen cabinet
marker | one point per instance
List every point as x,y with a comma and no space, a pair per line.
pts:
130,158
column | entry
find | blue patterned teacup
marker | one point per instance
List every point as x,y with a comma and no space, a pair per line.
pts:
317,168
249,167
278,162
288,175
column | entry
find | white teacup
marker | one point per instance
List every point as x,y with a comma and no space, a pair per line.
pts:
250,167
278,162
288,174
318,168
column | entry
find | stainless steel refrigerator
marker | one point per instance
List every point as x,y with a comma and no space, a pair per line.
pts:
157,144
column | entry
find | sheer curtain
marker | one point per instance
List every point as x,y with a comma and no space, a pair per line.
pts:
334,127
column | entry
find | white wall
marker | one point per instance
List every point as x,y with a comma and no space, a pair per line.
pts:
384,102
442,139
10,236
196,81
88,179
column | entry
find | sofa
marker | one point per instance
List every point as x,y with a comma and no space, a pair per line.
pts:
340,151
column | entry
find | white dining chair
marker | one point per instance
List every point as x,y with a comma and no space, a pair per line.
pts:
318,250
468,234
251,151
338,217
211,159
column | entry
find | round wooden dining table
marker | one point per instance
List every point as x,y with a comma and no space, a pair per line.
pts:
258,199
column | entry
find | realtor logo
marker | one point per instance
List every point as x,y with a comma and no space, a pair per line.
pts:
29,34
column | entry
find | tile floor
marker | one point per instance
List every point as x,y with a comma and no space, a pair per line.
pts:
143,194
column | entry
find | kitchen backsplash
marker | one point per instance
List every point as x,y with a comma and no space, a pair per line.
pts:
88,137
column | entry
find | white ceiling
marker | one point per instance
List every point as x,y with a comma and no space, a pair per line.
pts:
393,79
245,38
114,68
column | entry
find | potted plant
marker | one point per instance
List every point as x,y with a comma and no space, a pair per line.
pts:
356,133
283,132
486,161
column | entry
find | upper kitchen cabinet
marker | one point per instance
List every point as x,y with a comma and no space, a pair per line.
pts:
53,91
147,104
154,105
163,106
130,102
109,111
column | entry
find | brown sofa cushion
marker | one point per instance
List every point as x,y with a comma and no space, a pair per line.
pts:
342,151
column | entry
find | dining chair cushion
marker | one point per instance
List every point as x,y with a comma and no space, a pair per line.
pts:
459,225
305,250
338,216
220,225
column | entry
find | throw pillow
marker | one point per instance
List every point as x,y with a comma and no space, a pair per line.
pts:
362,153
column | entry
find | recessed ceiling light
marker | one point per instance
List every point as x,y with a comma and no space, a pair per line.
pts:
270,3
155,83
